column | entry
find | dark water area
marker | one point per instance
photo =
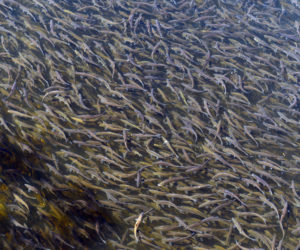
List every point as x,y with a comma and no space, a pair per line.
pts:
160,124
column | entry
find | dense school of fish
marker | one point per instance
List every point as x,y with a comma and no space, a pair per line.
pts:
150,124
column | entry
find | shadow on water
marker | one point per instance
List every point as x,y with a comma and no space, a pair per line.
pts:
51,213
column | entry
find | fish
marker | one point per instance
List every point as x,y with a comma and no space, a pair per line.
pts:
136,226
239,228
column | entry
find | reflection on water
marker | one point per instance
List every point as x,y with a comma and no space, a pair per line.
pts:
150,124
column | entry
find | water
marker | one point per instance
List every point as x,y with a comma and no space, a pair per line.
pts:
184,110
